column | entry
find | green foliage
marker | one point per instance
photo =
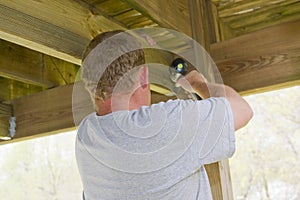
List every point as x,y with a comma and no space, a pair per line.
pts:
42,168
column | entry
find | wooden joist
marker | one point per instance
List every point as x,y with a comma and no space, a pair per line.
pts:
50,111
240,17
173,15
11,89
24,71
264,59
31,67
38,25
261,60
234,8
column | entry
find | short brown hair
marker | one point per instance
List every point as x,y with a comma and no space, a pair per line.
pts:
117,69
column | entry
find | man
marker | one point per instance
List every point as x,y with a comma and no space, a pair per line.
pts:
130,149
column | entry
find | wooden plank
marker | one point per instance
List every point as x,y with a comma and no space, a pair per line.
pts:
4,128
28,66
199,20
270,57
113,7
214,19
158,97
246,6
35,34
50,112
58,28
262,17
5,114
168,13
55,104
11,89
98,10
44,112
59,71
253,62
21,64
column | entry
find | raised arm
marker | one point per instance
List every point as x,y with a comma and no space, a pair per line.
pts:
195,82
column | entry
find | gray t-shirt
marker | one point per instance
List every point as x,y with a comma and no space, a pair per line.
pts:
156,152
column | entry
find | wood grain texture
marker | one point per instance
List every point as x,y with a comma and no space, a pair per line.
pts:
31,67
12,89
242,17
233,8
263,17
199,22
260,59
38,25
44,112
50,111
21,64
201,16
168,13
4,127
5,114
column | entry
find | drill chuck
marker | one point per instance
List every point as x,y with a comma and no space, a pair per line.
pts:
177,68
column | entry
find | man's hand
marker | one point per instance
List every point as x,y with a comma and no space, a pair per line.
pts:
191,80
196,83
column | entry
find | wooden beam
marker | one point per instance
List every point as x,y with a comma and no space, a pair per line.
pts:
50,112
22,65
262,17
97,10
235,8
5,114
44,112
38,25
11,89
263,59
168,13
158,63
31,67
199,22
55,104
215,23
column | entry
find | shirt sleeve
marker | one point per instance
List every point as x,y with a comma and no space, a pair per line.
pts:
215,138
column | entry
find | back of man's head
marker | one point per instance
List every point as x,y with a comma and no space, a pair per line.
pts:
108,58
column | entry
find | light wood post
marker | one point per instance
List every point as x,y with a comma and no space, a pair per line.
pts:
202,29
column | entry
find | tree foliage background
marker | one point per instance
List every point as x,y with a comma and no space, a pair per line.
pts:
40,169
266,164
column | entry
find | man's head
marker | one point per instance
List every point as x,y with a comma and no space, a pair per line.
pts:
116,55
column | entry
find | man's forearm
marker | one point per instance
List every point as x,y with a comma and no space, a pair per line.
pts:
206,90
242,112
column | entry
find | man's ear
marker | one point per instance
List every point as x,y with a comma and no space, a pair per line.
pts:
143,72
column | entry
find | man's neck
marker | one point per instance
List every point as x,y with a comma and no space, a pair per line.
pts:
123,102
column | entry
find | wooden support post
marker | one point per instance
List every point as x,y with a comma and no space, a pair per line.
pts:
218,173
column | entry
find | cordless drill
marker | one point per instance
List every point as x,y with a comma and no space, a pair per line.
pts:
177,69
